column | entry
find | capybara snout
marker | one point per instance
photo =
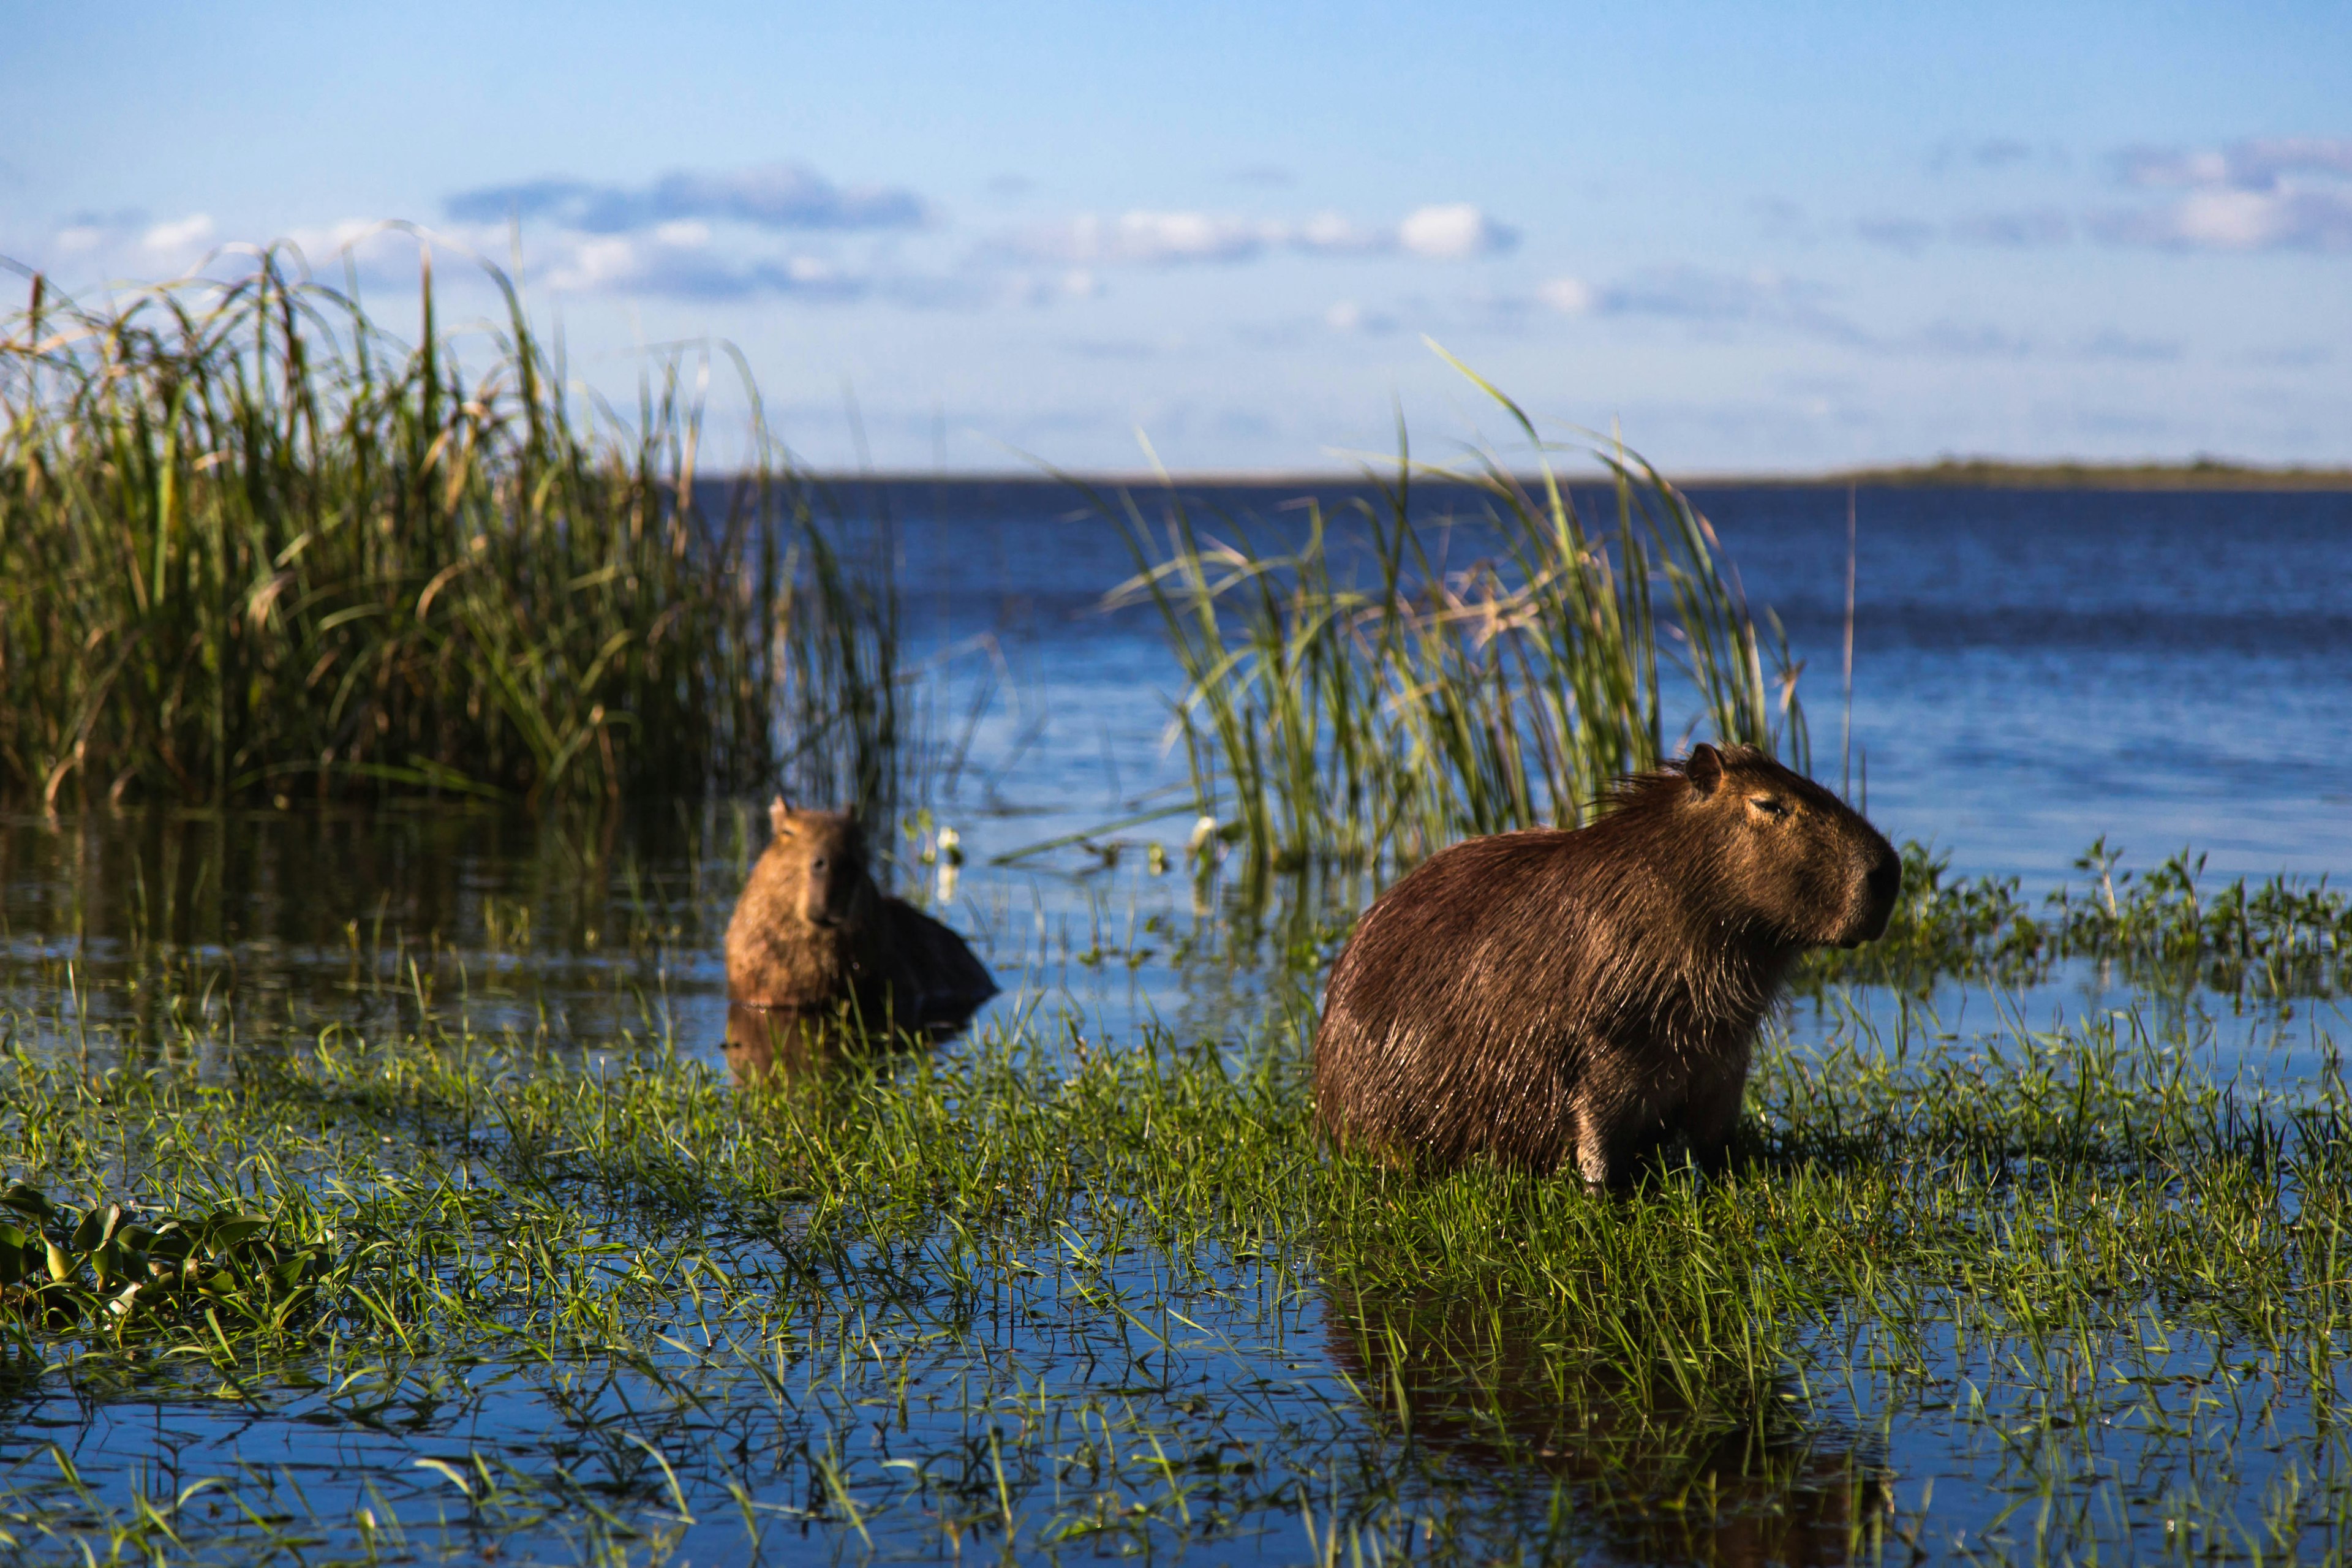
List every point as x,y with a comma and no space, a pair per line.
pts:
1881,885
833,854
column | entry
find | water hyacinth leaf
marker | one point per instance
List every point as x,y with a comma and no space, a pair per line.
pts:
96,1227
226,1230
228,1261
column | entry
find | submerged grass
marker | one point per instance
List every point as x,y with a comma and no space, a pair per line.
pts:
1366,699
251,544
1043,1295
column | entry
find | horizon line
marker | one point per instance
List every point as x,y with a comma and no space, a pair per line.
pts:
2202,472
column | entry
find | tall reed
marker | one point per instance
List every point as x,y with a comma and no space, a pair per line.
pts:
1363,701
250,543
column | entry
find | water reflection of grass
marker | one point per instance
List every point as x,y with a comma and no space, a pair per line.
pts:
1091,1299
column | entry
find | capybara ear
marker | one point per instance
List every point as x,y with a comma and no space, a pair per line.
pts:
779,817
1703,768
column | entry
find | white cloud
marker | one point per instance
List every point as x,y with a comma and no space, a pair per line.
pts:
1156,238
1346,316
1453,232
2256,163
2230,219
177,236
79,237
679,264
367,239
1330,234
1568,296
1159,237
596,263
1153,239
2264,193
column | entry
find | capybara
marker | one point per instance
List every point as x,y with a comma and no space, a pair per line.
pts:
1586,994
813,933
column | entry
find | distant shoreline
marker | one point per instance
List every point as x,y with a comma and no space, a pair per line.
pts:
1950,473
1986,473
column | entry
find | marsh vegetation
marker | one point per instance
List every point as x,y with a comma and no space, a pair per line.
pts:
1370,702
1069,1295
252,545
382,1195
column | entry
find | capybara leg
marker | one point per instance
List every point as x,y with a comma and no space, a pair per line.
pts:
1609,1140
1710,1117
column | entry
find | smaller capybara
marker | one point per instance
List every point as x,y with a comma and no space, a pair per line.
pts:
812,933
1585,996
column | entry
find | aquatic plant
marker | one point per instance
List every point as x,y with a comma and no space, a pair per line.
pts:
123,1269
250,545
1364,699
2169,930
1042,1294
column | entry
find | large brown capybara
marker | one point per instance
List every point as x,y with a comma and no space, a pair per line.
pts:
813,935
1585,996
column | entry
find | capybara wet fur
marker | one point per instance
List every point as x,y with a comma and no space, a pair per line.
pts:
813,933
1584,996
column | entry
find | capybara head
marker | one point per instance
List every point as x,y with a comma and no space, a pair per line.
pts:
1790,857
826,851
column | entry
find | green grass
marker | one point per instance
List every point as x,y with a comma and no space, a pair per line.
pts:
1372,718
253,545
2170,931
1047,1291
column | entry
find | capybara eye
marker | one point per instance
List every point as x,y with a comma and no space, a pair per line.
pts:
1767,805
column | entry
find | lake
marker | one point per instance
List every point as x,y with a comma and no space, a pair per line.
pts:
2032,670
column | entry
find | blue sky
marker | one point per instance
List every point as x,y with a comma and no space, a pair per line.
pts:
1757,237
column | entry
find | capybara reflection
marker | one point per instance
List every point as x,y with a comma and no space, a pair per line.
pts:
1648,1474
1586,996
769,1044
812,933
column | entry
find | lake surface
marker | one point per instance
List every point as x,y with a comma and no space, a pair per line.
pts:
2032,670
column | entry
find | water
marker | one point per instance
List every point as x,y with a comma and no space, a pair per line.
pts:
2032,670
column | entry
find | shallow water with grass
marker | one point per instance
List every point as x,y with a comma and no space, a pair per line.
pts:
2038,1247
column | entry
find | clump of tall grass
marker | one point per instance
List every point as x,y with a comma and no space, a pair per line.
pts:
1365,700
250,543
